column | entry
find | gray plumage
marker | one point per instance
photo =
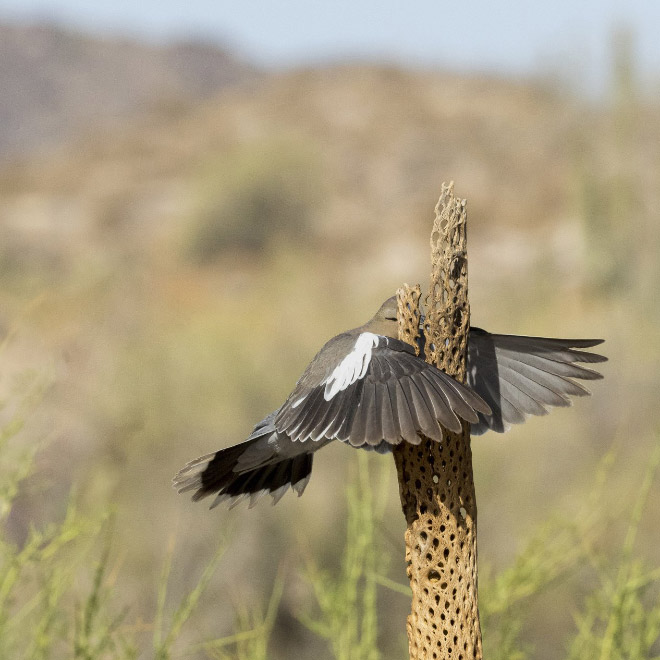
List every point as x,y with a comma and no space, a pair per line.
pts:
369,390
521,376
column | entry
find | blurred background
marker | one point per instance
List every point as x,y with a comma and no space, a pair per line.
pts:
194,197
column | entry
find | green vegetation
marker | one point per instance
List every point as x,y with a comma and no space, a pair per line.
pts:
348,617
252,197
57,595
619,619
254,629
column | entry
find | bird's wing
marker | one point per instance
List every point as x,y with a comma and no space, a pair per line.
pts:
380,392
521,376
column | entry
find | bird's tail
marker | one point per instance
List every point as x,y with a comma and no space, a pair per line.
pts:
233,474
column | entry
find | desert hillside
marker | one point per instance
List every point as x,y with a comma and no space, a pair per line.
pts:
56,83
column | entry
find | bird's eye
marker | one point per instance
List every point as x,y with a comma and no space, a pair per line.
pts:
390,318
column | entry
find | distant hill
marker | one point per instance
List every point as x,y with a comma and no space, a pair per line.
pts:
56,82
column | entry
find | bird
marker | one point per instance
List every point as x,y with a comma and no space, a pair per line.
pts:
371,391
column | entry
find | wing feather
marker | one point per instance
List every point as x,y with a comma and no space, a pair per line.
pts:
404,415
378,391
375,421
520,376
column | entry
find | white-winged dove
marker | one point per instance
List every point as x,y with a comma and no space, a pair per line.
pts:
369,390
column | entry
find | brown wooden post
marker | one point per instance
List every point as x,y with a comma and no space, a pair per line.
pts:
435,479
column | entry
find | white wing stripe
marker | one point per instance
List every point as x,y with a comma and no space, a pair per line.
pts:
353,367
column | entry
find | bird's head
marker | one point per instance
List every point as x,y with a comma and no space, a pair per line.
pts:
384,321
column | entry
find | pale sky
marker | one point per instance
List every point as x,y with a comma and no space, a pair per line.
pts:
508,36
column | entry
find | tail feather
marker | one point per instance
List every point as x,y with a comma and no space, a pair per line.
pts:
222,474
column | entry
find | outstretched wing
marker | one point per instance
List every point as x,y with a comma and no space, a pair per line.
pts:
379,392
522,376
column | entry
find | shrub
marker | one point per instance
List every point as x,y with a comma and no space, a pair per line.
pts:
254,196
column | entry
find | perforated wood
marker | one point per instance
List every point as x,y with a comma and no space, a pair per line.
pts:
435,479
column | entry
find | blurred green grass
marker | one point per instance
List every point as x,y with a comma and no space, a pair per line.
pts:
59,595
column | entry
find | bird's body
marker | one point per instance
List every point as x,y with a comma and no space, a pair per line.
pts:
369,390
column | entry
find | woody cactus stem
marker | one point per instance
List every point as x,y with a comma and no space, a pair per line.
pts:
435,479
